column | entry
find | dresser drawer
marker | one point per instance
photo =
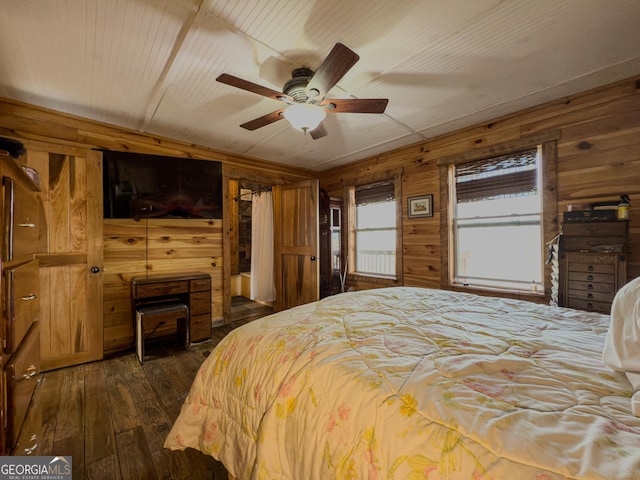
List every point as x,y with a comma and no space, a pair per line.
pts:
160,289
200,302
594,244
22,374
25,231
593,267
591,277
23,301
200,327
591,296
592,287
200,284
594,306
596,229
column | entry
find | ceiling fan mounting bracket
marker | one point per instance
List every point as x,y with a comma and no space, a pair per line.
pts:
296,88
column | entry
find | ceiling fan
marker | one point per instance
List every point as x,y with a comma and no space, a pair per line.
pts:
305,94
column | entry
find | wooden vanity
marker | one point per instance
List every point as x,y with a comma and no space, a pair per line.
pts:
191,289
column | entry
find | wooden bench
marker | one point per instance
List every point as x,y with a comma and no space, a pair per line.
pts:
152,316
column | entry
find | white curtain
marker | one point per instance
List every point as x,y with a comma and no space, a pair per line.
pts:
262,282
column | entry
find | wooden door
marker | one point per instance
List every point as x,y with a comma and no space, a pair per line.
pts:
71,271
296,243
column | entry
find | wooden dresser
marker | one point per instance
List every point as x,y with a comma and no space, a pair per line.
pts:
593,264
24,235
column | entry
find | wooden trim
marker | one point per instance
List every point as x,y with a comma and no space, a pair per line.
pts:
501,148
254,174
550,222
227,201
95,258
349,221
233,227
397,184
349,218
60,259
374,177
40,128
445,226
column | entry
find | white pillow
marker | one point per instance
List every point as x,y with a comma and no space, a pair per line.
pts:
622,345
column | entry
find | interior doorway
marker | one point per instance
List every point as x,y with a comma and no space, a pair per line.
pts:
251,255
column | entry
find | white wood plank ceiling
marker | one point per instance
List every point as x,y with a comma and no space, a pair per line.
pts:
151,65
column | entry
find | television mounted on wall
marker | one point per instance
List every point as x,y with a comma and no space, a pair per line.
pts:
153,186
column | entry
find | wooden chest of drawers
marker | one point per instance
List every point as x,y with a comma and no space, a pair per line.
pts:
589,281
24,233
593,264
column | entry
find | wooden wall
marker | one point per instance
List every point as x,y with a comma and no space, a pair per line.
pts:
174,246
598,159
155,247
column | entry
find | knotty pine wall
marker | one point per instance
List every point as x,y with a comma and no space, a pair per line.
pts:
598,159
134,248
156,247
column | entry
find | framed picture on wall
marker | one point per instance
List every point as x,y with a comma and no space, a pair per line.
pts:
421,206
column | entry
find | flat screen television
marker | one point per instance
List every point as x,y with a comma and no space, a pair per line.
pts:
153,186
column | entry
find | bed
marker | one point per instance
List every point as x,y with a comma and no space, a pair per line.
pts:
412,383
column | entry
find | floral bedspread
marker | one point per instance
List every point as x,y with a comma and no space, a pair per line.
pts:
410,383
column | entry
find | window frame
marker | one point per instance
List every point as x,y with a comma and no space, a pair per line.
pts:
549,220
512,184
350,223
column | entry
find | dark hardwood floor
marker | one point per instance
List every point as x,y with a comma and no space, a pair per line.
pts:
112,416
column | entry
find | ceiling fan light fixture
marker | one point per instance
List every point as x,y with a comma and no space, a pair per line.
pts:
304,116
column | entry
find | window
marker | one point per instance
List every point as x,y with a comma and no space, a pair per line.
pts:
497,222
374,229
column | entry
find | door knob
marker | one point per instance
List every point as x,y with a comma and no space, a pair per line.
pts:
95,269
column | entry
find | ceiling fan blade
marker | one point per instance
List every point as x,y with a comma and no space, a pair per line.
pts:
356,105
264,120
331,70
253,87
318,132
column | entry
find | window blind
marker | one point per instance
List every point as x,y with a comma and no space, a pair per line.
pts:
376,192
512,175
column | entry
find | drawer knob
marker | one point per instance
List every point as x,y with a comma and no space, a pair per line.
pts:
33,440
31,371
590,268
590,305
589,277
28,298
589,287
590,296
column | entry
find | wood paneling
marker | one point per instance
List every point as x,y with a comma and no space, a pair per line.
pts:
47,128
155,246
187,247
598,159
